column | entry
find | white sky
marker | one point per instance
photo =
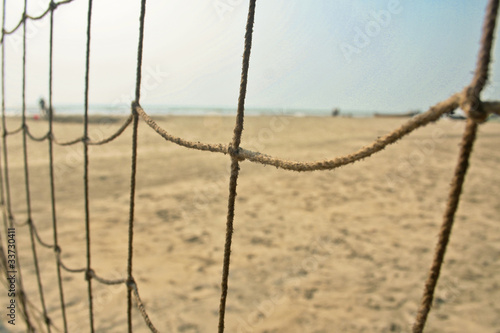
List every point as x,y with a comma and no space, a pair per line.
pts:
422,53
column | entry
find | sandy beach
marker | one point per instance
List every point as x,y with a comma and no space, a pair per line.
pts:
327,251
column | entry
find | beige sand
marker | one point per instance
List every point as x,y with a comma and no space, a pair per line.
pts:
329,251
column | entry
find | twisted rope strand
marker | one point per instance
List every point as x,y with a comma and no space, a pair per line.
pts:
27,179
471,102
141,307
86,170
52,5
433,114
51,172
235,145
133,166
445,231
474,112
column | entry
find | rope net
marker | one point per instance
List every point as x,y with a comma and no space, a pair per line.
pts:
38,317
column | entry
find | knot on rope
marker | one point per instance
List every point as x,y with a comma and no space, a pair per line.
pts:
52,5
89,274
235,153
472,105
134,105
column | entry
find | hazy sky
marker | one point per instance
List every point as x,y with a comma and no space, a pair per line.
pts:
358,55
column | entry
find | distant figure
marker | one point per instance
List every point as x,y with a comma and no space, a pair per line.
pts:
44,110
335,112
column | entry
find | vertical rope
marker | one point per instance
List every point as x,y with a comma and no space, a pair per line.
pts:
484,57
21,295
26,178
471,102
235,145
88,275
130,278
472,105
51,170
444,234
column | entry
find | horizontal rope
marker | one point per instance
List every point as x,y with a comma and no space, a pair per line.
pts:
35,138
113,136
37,236
216,148
433,114
106,281
53,5
67,143
17,130
492,107
66,268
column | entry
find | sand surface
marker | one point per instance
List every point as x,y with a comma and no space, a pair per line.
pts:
326,251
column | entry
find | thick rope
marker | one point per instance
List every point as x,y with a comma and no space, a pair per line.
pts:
86,170
141,306
433,114
51,171
472,105
444,234
235,145
216,148
133,170
471,102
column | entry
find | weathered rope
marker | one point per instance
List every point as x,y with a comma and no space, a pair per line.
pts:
235,145
133,167
473,106
444,234
141,306
52,5
86,169
113,136
471,102
51,172
217,148
27,179
433,114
